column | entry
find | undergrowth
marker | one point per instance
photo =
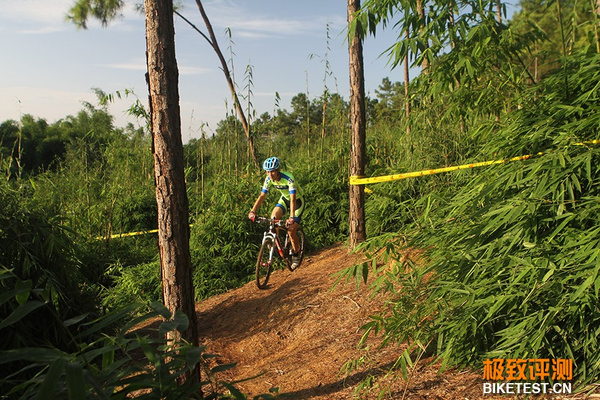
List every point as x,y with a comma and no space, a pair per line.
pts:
509,263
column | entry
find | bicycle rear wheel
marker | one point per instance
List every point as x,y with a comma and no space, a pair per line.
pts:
301,242
264,263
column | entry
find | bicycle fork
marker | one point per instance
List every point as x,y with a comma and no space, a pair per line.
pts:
270,235
276,244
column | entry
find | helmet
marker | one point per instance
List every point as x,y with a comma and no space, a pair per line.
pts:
271,164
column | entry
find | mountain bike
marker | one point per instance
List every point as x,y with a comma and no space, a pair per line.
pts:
276,247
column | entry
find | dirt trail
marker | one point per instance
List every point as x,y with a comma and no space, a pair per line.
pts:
299,333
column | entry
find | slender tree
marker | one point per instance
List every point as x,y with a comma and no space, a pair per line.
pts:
596,7
212,40
108,10
499,11
407,94
358,123
167,149
425,41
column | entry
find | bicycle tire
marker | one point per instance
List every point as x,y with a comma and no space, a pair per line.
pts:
264,264
302,243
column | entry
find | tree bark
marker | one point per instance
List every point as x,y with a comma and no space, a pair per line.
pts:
422,23
358,128
498,11
167,150
407,95
597,35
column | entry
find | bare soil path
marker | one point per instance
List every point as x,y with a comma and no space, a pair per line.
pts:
299,333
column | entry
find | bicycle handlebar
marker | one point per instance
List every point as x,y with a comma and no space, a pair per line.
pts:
277,222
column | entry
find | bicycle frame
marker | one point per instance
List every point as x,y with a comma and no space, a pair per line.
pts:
273,232
272,239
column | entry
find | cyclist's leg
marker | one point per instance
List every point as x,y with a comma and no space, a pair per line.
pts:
293,228
278,211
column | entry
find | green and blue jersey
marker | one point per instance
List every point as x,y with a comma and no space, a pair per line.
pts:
286,185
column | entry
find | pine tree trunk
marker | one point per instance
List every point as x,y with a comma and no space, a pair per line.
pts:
167,149
407,96
597,9
358,129
499,11
422,22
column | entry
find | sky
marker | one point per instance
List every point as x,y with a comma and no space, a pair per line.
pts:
50,67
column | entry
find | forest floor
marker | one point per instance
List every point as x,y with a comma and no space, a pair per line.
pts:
299,333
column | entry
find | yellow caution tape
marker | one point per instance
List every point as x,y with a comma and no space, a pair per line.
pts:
596,141
359,180
354,180
120,235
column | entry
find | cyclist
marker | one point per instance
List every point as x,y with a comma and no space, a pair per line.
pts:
291,200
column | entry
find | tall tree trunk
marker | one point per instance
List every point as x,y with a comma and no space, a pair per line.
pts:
597,19
406,95
167,149
499,11
421,11
358,123
451,7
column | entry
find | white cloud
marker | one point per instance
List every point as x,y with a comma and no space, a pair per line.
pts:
266,25
42,12
253,35
244,21
134,65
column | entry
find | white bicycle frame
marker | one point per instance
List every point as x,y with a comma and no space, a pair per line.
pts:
272,233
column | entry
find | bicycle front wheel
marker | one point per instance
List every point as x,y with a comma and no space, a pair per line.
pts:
264,263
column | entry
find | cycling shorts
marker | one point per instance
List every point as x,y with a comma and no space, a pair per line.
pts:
284,204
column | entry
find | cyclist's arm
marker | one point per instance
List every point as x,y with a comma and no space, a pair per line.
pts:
259,201
292,204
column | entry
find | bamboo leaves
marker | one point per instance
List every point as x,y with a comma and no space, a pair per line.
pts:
513,254
94,371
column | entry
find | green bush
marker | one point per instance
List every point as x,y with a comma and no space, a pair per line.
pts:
40,263
137,283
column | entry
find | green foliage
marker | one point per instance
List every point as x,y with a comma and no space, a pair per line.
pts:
130,363
104,185
132,283
567,28
426,31
510,261
520,264
40,264
223,245
103,10
325,220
